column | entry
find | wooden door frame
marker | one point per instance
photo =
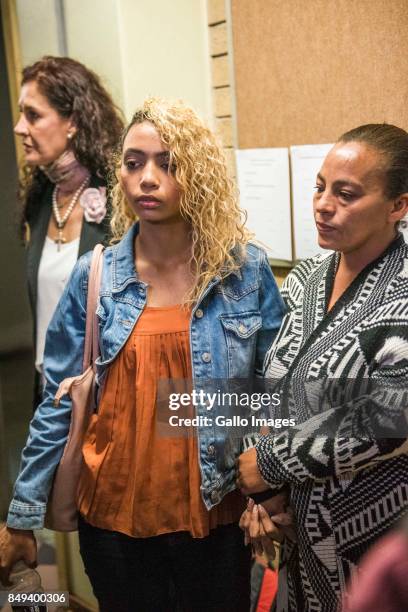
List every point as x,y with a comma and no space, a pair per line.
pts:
12,47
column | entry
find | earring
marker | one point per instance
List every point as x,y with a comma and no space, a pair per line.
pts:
69,135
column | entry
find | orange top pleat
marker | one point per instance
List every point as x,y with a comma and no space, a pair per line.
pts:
136,480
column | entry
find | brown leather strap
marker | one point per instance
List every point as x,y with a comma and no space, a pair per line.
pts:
91,350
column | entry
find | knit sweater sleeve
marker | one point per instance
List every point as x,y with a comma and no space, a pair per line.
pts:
346,438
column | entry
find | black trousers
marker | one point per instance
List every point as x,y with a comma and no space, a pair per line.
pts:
168,572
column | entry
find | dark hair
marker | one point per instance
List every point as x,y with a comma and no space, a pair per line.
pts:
74,91
392,142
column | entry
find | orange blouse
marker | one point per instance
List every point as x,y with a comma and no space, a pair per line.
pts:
135,480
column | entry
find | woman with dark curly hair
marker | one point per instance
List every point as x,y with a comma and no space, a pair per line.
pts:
69,126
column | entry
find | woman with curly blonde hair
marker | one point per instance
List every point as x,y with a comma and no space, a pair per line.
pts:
185,298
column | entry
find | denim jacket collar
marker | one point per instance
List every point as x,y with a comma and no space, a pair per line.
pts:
123,261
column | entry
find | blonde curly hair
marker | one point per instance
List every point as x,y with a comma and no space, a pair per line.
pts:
208,196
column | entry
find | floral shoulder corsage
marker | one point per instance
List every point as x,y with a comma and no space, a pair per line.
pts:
93,201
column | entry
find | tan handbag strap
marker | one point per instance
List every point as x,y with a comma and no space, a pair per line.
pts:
91,350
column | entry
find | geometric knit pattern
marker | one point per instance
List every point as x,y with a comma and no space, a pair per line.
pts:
343,378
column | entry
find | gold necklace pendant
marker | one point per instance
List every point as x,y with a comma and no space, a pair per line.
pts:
60,240
61,221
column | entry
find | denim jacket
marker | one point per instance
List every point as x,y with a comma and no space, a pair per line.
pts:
231,329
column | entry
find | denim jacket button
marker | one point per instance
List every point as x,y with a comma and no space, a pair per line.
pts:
214,497
199,313
206,357
211,450
242,328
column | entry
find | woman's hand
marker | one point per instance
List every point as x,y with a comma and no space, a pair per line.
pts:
281,515
276,504
249,479
261,529
285,523
16,545
246,519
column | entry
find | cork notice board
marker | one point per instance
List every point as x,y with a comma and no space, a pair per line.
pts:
306,71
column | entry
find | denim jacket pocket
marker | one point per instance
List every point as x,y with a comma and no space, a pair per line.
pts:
240,335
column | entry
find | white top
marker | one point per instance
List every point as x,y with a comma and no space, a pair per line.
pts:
53,273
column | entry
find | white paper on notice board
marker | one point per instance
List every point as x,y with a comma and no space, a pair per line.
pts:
306,161
264,186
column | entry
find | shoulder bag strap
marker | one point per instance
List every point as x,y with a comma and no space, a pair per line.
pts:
91,350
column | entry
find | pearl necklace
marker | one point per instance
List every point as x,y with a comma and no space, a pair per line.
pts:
61,222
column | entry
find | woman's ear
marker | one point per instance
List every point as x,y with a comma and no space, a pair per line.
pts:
71,129
400,208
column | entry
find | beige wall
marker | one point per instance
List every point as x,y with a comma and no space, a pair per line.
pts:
92,33
38,29
92,36
139,48
165,52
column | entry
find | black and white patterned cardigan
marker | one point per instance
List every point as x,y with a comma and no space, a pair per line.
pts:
346,459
